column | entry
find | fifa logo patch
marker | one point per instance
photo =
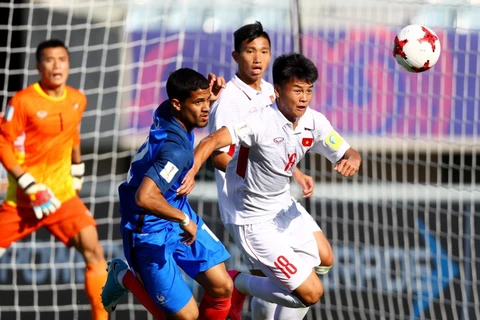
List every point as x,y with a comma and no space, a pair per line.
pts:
169,172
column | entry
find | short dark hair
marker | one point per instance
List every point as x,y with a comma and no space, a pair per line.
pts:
182,82
293,66
248,33
52,43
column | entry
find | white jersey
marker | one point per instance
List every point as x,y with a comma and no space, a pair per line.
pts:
258,176
236,101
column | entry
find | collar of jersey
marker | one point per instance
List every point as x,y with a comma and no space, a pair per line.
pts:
284,121
247,90
174,122
280,117
36,87
301,126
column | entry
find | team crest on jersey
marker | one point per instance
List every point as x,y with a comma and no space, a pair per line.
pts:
334,140
161,299
307,142
169,172
75,106
272,98
42,114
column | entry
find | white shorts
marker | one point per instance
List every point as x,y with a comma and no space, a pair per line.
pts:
284,248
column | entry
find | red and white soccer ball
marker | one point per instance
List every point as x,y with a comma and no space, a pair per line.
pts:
416,48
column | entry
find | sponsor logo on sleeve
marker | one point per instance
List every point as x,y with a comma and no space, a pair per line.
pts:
334,140
9,113
241,128
169,172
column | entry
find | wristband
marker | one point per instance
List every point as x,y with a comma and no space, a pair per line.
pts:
25,181
185,222
77,169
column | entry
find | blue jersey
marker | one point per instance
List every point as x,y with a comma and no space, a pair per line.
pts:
166,156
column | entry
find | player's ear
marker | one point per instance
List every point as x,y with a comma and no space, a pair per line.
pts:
277,91
235,56
175,104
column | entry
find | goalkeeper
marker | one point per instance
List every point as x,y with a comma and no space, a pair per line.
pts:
45,171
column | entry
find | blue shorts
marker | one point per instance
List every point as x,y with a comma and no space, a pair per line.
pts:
156,257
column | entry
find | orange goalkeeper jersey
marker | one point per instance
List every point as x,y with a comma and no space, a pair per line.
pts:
51,129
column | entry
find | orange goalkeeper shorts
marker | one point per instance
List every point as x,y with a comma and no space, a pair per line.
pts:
18,222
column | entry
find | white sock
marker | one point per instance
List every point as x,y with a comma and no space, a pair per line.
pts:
266,289
262,310
284,313
2,251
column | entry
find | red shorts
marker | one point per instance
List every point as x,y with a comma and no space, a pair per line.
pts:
18,222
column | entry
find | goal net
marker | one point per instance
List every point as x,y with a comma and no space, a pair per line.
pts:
404,230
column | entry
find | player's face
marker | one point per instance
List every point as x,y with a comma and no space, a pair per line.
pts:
195,109
54,67
294,98
253,60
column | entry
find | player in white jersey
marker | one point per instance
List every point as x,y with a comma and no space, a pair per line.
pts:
244,94
270,227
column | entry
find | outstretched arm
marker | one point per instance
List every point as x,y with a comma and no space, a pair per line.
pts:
221,159
219,139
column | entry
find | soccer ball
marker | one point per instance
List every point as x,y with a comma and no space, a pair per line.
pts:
416,48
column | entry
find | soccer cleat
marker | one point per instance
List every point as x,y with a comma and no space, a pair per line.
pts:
113,291
238,299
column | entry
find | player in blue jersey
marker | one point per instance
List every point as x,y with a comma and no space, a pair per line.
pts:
161,232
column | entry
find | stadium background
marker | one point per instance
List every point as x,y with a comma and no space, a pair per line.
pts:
404,231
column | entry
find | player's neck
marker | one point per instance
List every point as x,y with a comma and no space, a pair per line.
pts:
254,83
178,119
55,92
288,115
